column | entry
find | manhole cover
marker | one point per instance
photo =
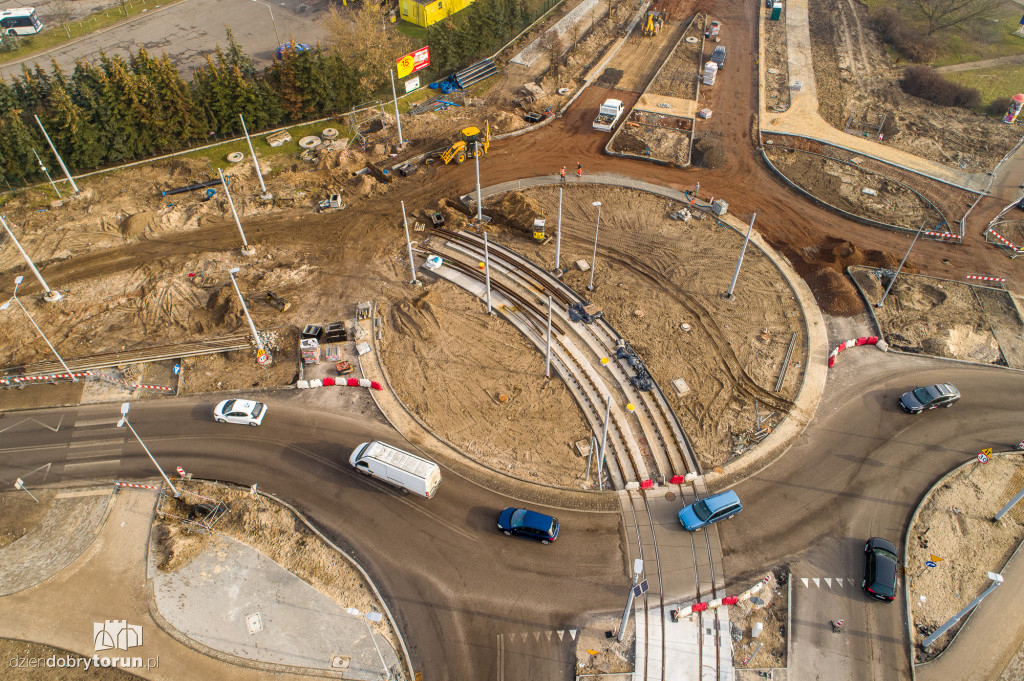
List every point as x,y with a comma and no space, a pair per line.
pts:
253,623
670,496
340,661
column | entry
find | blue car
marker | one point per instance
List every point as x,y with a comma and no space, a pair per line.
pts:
525,523
710,510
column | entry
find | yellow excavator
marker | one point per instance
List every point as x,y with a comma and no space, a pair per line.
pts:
654,22
474,142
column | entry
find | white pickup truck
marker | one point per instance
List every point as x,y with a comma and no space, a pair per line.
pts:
608,115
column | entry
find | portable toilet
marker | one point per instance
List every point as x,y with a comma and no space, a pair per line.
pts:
776,11
710,71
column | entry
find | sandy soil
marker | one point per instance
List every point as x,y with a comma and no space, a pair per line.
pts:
11,649
598,654
272,530
776,64
946,318
768,650
19,514
955,524
855,76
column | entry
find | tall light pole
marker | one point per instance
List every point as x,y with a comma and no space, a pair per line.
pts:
14,297
996,578
593,260
124,422
638,569
47,173
398,120
246,248
59,159
479,194
739,263
898,269
367,618
51,296
262,356
265,195
408,243
558,237
267,5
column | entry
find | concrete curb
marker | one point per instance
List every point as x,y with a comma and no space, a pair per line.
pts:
906,582
466,467
204,649
881,336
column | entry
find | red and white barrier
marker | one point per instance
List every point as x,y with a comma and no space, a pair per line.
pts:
42,377
943,235
351,382
863,340
981,277
719,602
126,384
133,485
1002,239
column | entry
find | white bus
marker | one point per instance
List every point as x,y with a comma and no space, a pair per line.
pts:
20,21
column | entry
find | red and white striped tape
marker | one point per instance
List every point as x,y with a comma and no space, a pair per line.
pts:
981,277
181,472
135,485
43,377
134,385
943,235
1002,238
863,340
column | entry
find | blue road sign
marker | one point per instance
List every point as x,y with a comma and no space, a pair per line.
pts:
931,563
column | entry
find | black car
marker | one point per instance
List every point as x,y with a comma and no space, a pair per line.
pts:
929,397
525,523
880,568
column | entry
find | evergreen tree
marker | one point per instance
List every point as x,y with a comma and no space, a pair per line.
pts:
72,132
17,162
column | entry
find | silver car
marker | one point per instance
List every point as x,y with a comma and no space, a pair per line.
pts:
244,412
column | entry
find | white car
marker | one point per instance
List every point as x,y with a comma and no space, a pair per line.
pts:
240,411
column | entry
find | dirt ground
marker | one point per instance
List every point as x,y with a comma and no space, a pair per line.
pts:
955,524
855,76
946,318
653,275
596,653
19,513
272,530
11,649
776,64
768,649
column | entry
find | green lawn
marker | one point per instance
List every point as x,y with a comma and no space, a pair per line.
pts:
993,83
985,40
53,36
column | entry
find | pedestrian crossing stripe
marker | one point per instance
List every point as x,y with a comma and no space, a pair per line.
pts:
828,581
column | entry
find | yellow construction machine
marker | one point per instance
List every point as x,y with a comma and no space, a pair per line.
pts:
474,142
654,22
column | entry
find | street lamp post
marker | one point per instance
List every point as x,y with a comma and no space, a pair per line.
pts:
14,297
124,422
593,260
367,618
266,196
262,356
739,263
996,578
247,250
267,5
638,569
47,173
51,296
898,269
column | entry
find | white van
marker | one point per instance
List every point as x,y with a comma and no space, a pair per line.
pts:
400,468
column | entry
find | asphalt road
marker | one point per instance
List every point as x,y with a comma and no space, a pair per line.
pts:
188,30
471,602
858,472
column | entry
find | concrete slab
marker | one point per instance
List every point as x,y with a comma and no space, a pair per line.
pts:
235,600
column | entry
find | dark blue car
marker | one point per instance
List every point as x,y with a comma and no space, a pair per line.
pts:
525,523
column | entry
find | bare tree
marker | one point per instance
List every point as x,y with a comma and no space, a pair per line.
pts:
943,14
61,11
363,35
553,46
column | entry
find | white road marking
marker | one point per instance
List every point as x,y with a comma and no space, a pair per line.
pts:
817,582
96,443
805,581
828,580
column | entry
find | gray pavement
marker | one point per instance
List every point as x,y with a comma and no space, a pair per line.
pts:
235,600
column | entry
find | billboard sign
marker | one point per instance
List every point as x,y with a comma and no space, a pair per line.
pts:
413,62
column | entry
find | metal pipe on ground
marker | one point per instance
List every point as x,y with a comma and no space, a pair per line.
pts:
191,187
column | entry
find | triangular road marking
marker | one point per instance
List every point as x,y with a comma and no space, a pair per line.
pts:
536,636
547,635
561,633
572,632
525,636
828,580
839,580
817,582
805,581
